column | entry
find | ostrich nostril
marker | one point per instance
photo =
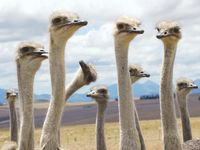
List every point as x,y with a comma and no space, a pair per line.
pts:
134,28
75,20
165,32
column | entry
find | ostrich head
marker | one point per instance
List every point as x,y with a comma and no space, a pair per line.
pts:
29,56
11,95
184,86
63,24
127,28
99,93
88,73
168,31
136,73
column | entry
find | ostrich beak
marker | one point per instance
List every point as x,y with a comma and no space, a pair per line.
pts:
13,94
88,95
134,30
163,34
193,86
146,75
84,67
77,22
92,94
41,53
138,31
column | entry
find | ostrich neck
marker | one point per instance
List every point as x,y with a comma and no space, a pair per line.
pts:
71,87
171,138
25,85
185,117
54,113
100,137
13,122
129,136
143,146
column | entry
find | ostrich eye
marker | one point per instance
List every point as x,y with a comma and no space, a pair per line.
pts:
25,49
133,71
102,91
134,28
176,30
182,84
57,20
120,26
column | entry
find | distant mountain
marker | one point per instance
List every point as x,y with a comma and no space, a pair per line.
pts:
42,97
2,96
139,89
79,97
147,88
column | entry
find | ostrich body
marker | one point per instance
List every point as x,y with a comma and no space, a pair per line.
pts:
28,60
192,144
100,94
183,88
11,96
9,145
126,29
169,33
62,26
136,73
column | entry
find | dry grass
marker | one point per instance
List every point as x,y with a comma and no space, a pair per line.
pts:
82,137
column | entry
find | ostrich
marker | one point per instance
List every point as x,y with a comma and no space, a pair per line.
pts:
193,144
183,87
169,33
62,26
136,73
100,94
9,145
125,30
28,59
11,96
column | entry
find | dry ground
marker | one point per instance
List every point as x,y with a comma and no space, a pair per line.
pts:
82,137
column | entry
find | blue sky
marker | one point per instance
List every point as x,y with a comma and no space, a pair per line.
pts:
24,20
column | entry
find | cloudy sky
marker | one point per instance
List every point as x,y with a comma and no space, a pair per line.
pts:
24,20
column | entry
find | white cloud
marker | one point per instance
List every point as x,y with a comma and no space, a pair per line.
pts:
28,20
